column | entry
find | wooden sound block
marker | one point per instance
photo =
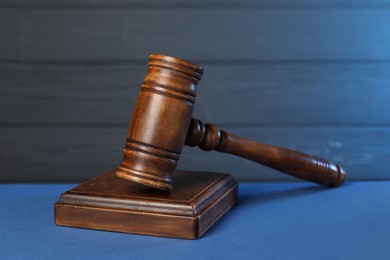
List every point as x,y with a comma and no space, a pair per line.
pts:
110,203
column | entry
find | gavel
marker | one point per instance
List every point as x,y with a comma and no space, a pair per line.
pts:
162,124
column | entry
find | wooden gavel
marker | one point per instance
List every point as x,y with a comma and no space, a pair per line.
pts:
161,124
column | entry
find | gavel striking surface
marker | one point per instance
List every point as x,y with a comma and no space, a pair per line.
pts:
110,203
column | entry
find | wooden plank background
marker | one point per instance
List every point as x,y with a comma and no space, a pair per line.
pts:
307,75
200,34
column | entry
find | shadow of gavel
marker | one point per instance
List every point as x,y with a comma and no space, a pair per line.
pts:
162,123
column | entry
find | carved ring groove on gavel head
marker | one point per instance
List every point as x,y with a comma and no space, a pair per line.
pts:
161,124
160,121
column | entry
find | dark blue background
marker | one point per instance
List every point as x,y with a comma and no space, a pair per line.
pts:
307,75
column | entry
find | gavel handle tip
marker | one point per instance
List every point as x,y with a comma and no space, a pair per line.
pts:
341,174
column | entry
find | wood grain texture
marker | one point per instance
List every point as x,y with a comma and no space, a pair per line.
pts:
209,137
278,94
106,202
160,121
221,34
28,154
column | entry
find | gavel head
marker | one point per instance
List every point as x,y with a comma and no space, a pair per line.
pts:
160,121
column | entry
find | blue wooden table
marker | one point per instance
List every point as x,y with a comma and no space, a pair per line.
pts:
271,221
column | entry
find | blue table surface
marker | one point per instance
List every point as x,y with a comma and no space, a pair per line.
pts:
271,221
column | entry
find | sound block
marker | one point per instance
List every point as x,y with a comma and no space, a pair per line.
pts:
109,203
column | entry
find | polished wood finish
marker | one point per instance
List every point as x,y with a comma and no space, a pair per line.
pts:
162,118
109,203
160,121
308,167
160,126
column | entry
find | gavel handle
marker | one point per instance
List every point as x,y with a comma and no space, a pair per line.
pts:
208,137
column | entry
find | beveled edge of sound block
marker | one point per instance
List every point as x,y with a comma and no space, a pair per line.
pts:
110,203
